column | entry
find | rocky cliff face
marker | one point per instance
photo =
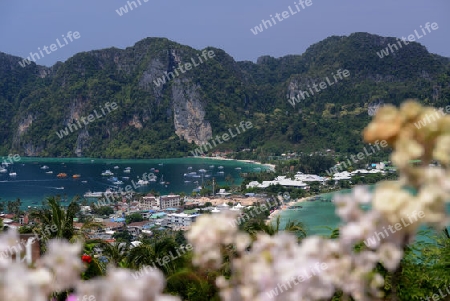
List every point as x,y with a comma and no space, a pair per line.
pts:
189,113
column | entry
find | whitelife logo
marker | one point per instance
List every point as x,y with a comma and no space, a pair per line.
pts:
199,151
53,47
372,241
315,269
124,9
411,38
323,85
162,80
284,15
360,156
91,118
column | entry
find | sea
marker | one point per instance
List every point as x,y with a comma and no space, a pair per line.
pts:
320,218
33,182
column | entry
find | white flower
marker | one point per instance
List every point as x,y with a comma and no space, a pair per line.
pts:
390,256
63,259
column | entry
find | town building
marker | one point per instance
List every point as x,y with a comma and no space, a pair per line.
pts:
149,202
169,201
182,219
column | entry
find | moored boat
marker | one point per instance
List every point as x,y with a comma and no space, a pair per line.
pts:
62,175
107,173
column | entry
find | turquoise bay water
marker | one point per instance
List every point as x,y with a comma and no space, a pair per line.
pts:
32,184
319,217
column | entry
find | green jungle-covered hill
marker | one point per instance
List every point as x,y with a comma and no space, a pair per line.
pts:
171,119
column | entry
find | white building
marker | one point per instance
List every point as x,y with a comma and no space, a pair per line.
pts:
182,219
299,176
279,180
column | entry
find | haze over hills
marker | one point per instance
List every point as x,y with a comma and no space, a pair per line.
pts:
155,119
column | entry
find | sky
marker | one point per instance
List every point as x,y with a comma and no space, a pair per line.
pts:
26,25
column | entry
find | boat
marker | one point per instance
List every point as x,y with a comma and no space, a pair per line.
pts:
107,173
62,175
162,180
125,178
76,176
190,167
59,188
112,179
142,182
160,164
211,166
84,182
45,167
3,170
49,172
202,170
238,168
116,167
12,174
118,182
98,194
126,170
220,167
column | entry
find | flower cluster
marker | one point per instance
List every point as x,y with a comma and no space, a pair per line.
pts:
60,269
260,267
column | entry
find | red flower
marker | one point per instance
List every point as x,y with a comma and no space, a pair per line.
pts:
86,258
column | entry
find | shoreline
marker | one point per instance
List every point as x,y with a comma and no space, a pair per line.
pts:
271,167
284,207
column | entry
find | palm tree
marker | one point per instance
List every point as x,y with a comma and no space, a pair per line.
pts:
55,222
116,252
259,225
152,252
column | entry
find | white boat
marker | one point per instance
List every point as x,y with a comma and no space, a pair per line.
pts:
211,166
12,174
107,173
45,167
220,167
142,182
238,168
125,178
49,172
59,188
116,167
190,167
118,182
162,180
202,170
126,171
3,170
97,194
152,178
